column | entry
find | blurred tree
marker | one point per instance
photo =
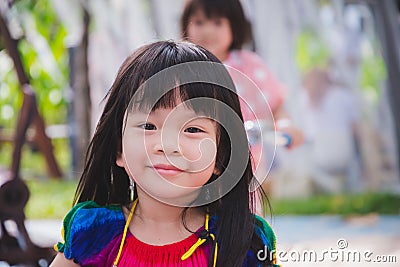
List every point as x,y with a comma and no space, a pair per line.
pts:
311,51
41,47
388,24
386,15
80,106
76,18
36,61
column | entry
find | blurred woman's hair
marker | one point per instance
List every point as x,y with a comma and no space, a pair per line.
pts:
230,9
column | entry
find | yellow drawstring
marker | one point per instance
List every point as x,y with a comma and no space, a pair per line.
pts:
200,241
125,232
192,249
189,253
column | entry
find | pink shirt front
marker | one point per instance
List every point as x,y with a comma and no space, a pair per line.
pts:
258,89
261,94
139,254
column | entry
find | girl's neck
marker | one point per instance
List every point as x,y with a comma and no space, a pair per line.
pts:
157,223
223,55
151,210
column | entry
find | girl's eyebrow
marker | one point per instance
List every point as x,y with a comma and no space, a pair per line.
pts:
202,118
138,113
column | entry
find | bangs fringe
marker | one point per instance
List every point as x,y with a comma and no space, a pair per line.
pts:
151,99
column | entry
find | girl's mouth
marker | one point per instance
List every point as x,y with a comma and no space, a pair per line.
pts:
167,170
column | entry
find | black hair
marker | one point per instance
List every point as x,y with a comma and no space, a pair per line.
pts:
230,9
104,182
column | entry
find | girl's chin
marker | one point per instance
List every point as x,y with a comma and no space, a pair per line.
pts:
178,197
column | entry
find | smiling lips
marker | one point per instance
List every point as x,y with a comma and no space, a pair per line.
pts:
167,170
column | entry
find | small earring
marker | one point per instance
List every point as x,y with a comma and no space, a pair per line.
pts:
207,194
131,189
217,172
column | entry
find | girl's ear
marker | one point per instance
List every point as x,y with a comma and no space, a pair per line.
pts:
217,171
120,161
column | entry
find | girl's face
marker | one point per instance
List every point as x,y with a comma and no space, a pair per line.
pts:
214,34
170,152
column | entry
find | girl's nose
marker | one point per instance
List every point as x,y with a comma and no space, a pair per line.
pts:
207,29
166,148
168,144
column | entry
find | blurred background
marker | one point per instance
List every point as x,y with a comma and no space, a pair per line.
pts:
58,59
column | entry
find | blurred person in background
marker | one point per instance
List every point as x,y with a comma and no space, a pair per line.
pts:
330,128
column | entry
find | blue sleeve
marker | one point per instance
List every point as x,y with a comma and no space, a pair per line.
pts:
264,231
88,228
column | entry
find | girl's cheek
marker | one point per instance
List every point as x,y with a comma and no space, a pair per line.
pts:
196,32
201,153
190,150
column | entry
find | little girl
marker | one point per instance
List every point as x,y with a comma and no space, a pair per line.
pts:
221,27
167,174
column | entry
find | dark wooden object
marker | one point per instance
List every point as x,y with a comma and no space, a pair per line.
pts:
15,245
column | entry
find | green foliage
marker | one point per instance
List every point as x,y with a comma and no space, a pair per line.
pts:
45,61
33,164
345,204
50,199
373,73
10,94
310,51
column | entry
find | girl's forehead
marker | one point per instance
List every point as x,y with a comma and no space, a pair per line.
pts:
180,110
179,107
209,14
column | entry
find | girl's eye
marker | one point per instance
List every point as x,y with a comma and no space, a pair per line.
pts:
194,130
198,22
148,126
218,22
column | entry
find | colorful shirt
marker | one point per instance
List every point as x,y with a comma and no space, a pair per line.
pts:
92,236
